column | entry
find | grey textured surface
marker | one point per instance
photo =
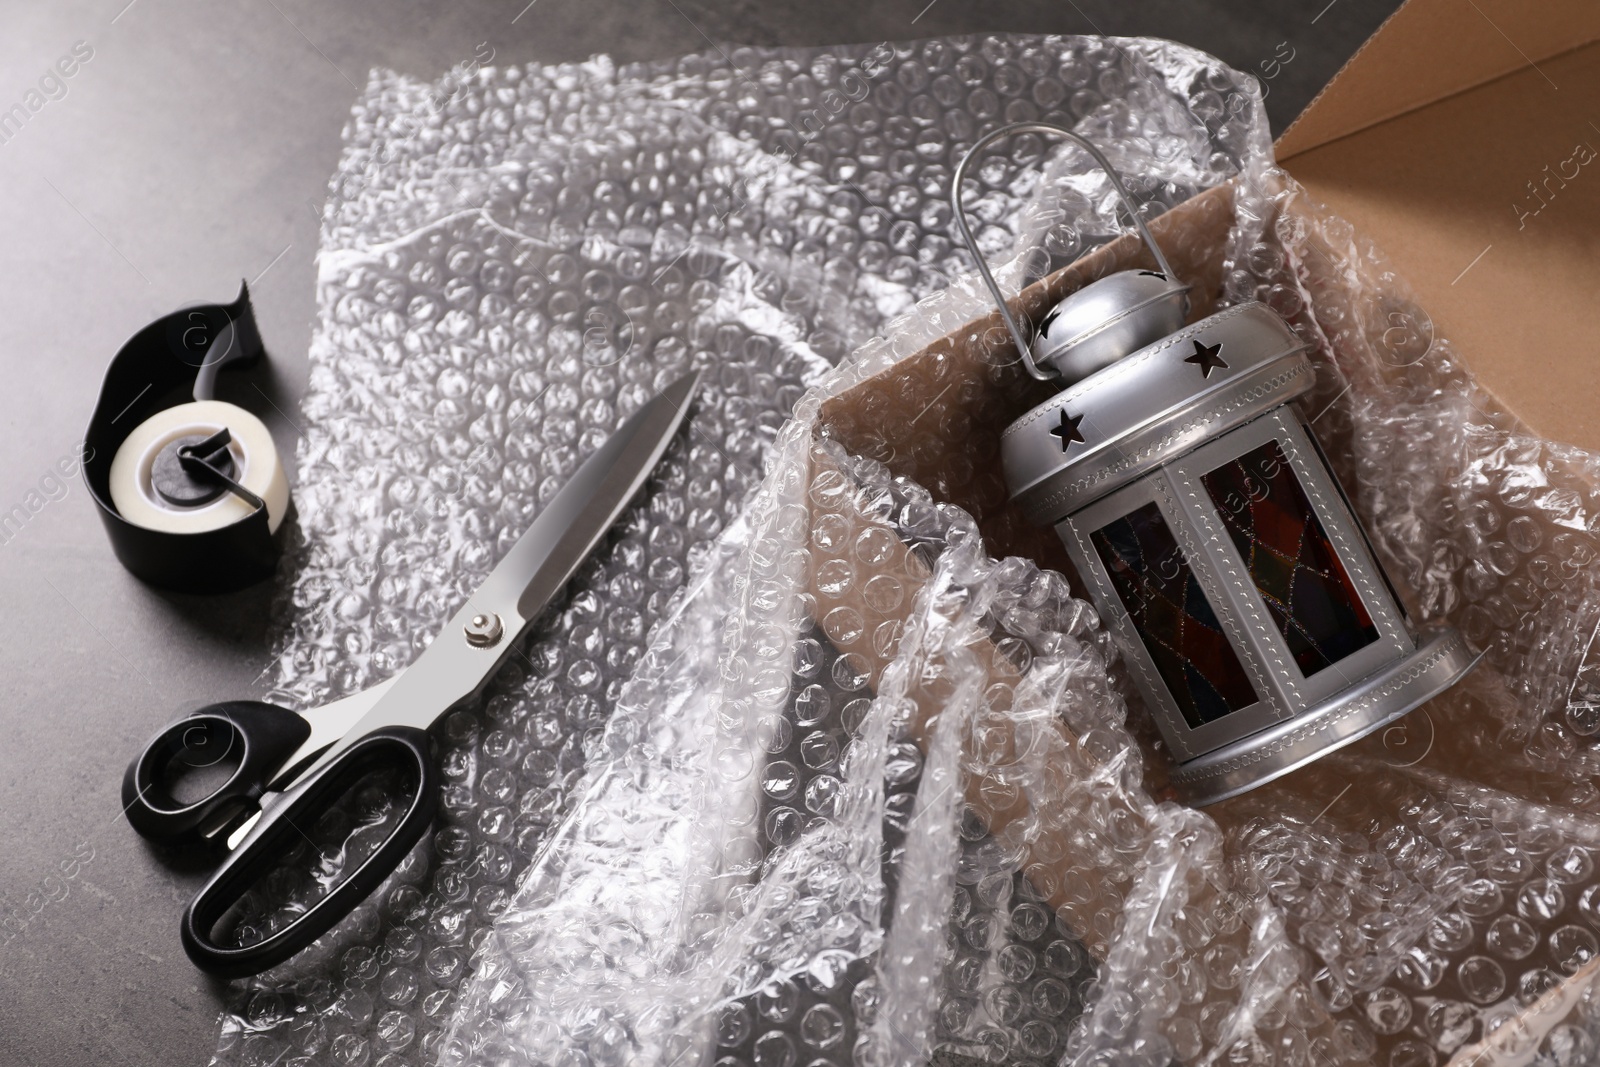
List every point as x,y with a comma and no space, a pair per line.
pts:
194,148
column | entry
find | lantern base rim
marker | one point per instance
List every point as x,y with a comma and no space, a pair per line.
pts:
1440,659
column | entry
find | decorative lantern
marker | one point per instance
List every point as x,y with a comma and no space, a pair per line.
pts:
1207,525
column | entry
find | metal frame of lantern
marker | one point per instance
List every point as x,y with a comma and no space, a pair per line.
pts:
1211,533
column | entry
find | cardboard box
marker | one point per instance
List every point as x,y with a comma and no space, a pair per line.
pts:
1463,138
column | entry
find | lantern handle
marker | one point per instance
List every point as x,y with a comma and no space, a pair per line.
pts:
983,268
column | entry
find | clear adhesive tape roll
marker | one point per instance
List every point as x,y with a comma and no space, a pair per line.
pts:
254,457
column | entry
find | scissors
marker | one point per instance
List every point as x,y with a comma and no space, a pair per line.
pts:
291,768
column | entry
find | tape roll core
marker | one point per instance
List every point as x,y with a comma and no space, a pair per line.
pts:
255,460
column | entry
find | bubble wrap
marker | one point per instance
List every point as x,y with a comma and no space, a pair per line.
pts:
513,260
874,790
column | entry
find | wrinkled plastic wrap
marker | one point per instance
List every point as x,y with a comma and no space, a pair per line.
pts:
874,791
512,261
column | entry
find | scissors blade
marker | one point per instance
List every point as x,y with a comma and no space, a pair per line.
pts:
329,722
478,637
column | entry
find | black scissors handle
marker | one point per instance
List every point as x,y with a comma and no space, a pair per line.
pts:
256,738
284,824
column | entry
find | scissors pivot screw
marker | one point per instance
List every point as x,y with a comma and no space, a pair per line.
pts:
483,631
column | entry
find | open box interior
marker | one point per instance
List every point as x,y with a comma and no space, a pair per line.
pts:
1457,138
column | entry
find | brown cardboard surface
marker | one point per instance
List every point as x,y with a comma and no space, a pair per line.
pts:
1453,140
1485,205
1432,49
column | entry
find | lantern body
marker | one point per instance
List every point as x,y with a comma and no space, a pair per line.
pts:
1222,553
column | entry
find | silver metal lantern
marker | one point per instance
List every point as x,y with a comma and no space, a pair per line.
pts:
1207,525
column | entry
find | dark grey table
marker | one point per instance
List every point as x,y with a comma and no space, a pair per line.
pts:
191,148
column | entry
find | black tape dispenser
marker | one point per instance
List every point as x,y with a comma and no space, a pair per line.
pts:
190,488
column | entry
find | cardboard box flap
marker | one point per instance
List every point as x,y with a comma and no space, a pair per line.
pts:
1431,49
1485,200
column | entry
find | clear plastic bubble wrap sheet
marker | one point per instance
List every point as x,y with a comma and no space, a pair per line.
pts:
513,260
810,768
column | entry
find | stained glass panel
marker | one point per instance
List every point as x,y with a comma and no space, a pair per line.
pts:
1172,616
1290,558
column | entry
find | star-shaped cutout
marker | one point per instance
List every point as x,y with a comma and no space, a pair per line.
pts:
1044,326
1206,357
1068,430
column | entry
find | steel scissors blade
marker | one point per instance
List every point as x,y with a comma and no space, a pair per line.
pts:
290,768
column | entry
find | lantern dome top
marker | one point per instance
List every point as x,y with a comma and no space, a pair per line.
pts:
1151,406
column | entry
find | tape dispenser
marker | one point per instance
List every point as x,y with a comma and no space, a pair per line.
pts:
190,488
